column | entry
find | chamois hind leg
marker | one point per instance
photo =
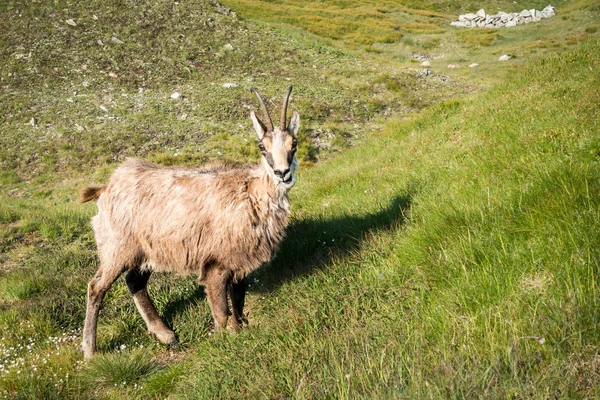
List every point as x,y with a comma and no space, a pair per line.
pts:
215,283
137,281
97,288
237,293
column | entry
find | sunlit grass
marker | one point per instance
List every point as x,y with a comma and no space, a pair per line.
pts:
481,282
121,369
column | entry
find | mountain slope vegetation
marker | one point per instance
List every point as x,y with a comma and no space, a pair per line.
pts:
445,228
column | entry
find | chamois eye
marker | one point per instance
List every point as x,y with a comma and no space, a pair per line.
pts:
261,146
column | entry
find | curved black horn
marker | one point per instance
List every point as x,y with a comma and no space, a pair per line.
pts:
283,123
266,115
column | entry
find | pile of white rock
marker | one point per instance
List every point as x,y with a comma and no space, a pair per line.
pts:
502,19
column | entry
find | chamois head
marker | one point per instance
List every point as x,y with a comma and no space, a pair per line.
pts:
278,144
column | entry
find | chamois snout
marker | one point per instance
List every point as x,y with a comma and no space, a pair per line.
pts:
282,175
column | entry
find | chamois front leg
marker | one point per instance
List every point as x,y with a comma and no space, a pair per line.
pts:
237,292
215,283
137,282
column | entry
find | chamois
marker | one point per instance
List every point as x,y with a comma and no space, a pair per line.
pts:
219,223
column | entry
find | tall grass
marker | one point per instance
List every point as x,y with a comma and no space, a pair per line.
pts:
483,284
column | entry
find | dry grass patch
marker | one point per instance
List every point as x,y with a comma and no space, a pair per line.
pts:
354,23
474,38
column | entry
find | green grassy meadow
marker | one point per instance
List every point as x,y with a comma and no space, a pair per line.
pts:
444,238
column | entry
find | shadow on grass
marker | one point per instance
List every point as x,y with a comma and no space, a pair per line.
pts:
182,305
312,244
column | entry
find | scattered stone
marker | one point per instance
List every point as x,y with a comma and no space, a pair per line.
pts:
100,42
222,9
85,84
504,57
425,72
71,22
70,100
228,47
453,66
425,64
33,121
94,17
176,96
116,40
229,85
424,57
473,65
103,108
548,12
112,75
502,19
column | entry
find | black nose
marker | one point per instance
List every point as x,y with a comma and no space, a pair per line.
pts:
280,174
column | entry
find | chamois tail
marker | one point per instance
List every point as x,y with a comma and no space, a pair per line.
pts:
91,193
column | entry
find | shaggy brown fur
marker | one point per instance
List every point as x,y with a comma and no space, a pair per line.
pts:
220,223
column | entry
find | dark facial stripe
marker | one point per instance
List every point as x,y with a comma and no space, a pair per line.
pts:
269,158
290,156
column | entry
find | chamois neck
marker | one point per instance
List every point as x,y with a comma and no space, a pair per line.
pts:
265,188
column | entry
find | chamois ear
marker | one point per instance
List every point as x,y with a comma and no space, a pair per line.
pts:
294,123
259,127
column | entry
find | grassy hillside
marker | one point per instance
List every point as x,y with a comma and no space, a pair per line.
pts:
453,253
452,256
406,32
75,97
356,23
